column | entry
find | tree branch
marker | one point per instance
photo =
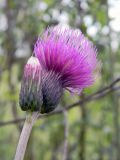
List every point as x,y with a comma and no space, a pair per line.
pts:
94,96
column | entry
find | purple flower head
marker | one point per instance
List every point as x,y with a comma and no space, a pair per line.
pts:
70,56
64,59
68,60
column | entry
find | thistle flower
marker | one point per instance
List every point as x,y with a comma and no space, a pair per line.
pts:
68,60
64,60
30,94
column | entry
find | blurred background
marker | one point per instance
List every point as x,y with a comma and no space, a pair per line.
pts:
88,131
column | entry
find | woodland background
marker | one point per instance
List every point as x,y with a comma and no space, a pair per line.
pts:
87,126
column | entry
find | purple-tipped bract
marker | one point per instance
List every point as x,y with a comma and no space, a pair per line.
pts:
31,89
69,55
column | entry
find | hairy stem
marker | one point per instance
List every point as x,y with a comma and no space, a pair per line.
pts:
23,140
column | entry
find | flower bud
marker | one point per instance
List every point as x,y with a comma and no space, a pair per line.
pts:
31,89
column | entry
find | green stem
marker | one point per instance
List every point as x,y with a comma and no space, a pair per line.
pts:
25,134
